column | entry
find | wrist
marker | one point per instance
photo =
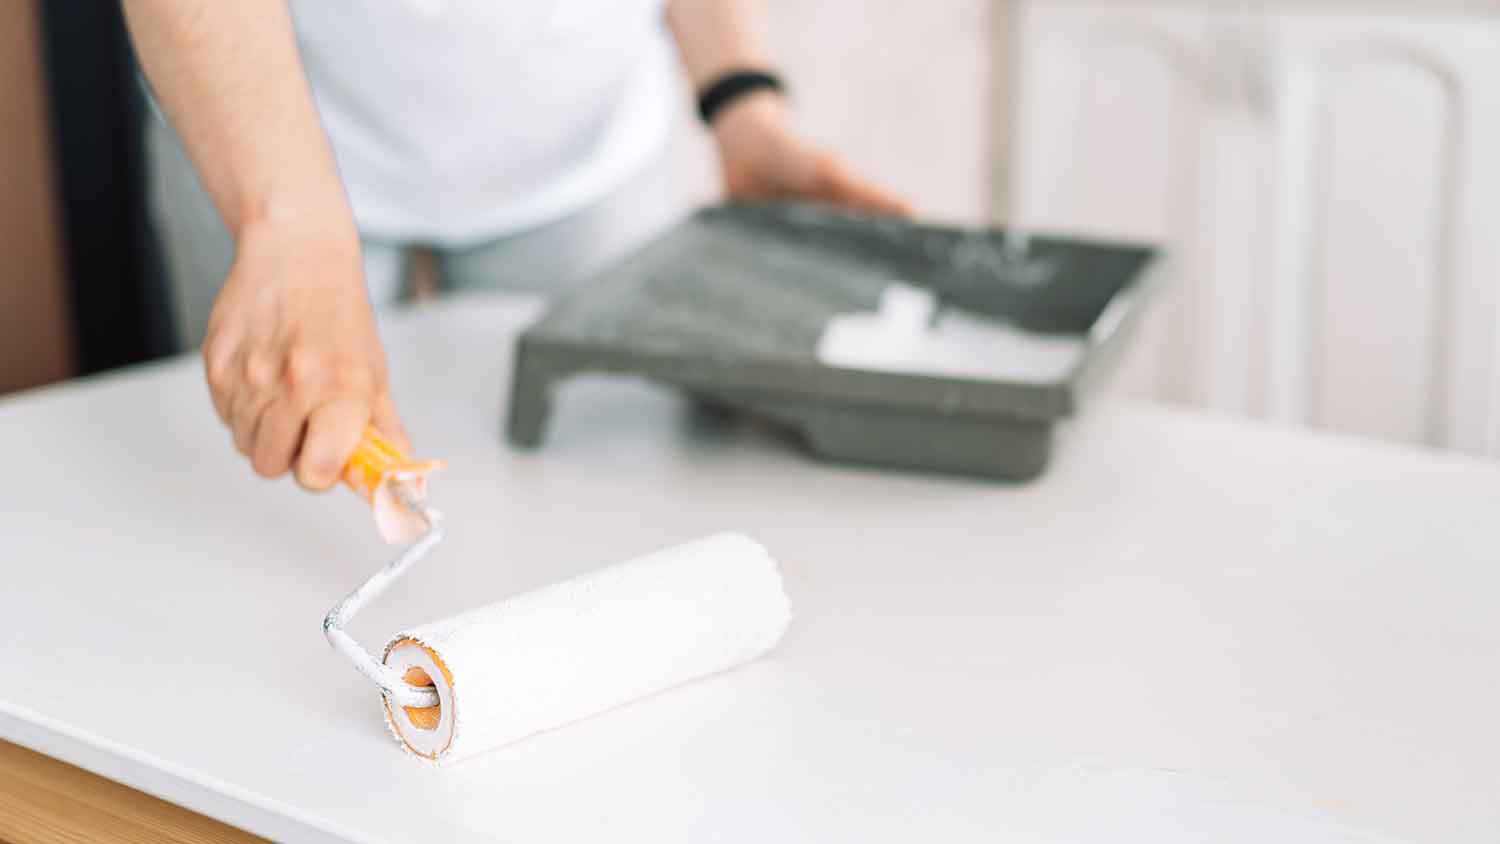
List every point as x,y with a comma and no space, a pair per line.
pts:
325,240
750,115
733,86
323,215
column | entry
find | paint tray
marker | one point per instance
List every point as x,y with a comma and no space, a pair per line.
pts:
879,341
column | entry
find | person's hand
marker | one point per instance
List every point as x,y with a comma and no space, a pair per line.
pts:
763,158
294,364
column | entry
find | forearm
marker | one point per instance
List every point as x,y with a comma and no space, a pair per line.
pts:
716,36
230,79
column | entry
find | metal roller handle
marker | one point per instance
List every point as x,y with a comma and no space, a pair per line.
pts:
391,684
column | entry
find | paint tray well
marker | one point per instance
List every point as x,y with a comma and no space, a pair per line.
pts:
880,341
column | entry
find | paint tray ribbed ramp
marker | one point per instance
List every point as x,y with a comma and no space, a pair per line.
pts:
881,341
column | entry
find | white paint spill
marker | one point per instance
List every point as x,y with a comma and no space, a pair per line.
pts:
903,337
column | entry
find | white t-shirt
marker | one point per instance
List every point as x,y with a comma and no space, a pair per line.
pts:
454,121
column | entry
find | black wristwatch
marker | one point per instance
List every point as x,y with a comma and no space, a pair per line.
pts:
730,87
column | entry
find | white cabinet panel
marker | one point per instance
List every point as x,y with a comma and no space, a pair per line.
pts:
1404,190
1380,279
1322,182
1108,112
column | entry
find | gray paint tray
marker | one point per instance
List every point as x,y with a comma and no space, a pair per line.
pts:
737,304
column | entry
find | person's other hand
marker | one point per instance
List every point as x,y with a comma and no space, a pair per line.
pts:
294,364
763,158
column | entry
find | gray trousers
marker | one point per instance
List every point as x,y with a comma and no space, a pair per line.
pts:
547,259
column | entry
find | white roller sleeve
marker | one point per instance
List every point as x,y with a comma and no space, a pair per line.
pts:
577,648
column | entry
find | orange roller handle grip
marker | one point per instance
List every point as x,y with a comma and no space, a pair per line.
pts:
375,460
375,463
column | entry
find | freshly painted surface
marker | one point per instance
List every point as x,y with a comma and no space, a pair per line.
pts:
1188,610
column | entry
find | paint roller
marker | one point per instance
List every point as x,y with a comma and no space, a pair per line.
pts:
542,659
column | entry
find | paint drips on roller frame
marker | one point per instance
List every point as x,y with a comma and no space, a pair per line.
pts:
546,658
396,490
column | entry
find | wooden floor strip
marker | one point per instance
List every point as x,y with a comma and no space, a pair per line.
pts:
44,801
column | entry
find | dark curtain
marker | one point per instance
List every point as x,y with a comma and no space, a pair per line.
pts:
120,309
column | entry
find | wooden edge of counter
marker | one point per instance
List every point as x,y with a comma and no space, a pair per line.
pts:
45,801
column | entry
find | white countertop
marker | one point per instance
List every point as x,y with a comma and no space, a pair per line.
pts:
1192,628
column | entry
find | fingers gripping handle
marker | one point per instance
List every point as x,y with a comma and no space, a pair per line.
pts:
395,488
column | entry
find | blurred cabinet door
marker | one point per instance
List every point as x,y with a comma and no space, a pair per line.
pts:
1327,183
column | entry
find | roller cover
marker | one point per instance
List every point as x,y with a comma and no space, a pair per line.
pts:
577,648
